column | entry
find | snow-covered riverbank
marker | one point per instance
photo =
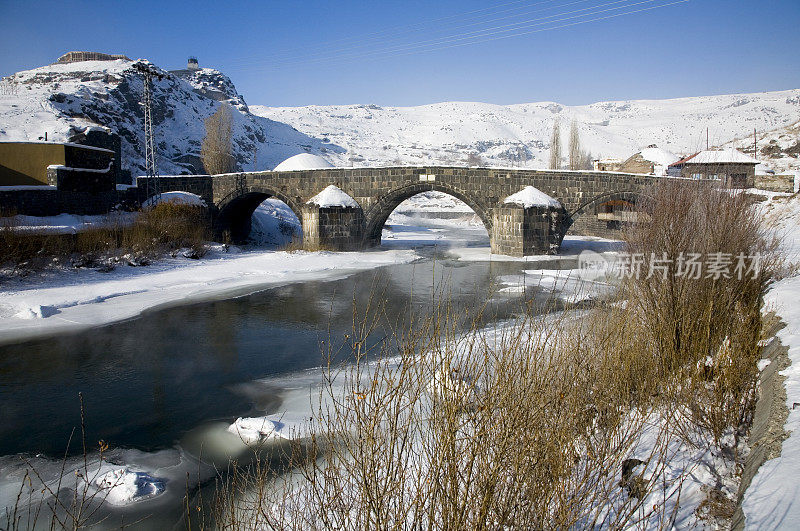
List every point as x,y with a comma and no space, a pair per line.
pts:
773,499
70,300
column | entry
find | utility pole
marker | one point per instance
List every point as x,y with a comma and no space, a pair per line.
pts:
706,138
148,72
755,144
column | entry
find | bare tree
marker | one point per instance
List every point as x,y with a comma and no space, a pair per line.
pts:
555,147
473,159
217,148
586,161
574,147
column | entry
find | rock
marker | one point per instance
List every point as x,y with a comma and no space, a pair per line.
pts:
632,482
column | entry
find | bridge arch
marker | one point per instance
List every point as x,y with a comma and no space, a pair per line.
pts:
235,211
377,215
590,207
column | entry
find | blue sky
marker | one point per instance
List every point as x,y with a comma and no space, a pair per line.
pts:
414,52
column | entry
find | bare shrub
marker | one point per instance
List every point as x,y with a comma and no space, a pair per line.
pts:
474,160
704,329
575,155
475,431
165,228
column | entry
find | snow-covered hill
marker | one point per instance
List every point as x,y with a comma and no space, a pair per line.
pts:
62,100
779,148
519,135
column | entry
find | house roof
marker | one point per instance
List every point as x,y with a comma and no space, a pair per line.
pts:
723,156
658,156
683,160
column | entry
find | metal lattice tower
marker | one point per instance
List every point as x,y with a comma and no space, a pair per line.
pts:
148,73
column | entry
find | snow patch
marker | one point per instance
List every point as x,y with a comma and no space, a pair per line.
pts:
532,197
333,196
255,430
120,486
720,157
303,161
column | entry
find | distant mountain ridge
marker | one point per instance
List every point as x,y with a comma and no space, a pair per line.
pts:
519,135
63,100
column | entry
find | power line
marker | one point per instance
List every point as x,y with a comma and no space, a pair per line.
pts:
492,34
363,41
362,38
540,21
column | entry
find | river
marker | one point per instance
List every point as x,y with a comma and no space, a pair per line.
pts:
159,388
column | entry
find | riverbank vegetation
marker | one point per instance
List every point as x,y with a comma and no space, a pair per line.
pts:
163,229
602,417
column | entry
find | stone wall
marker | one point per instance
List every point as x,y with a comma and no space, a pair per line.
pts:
775,183
333,228
52,202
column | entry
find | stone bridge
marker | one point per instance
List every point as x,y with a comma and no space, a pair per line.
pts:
593,202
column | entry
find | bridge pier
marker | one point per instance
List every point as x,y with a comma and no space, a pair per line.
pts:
334,228
520,231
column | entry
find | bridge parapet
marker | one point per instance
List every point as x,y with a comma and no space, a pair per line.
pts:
378,191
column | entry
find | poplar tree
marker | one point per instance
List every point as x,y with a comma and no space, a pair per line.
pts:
217,148
555,147
575,158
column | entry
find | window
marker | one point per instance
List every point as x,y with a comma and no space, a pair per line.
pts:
738,180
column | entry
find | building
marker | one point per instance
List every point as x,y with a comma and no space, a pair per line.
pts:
733,168
650,161
76,57
606,164
67,166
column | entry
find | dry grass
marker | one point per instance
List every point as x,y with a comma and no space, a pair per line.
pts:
157,231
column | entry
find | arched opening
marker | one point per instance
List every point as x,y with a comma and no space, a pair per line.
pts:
261,218
605,215
427,216
175,197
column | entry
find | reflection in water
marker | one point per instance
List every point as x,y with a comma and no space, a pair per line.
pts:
147,381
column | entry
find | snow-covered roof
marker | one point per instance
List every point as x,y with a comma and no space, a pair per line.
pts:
721,157
659,156
333,196
303,161
532,197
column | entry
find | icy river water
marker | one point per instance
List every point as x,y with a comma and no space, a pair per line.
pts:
159,388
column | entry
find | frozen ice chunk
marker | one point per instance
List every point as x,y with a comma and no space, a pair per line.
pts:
255,430
119,485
